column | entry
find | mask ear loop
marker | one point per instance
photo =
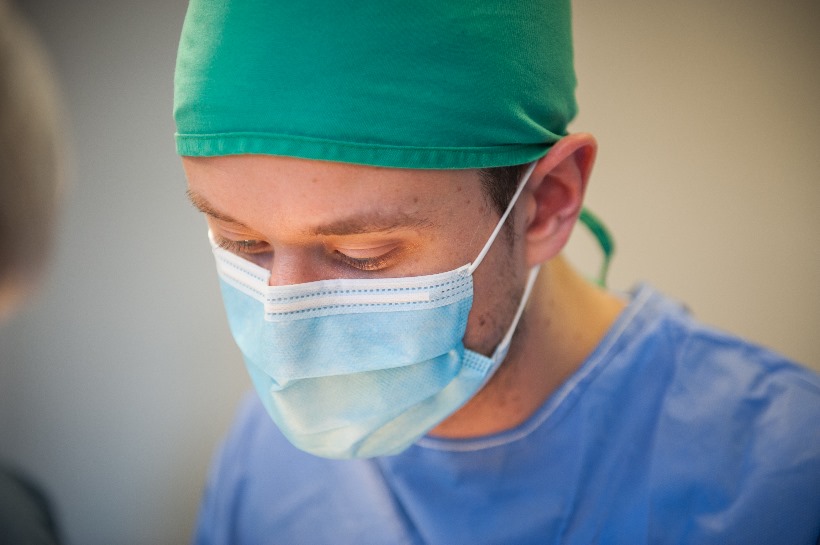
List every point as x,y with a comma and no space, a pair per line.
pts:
590,221
605,241
524,179
500,351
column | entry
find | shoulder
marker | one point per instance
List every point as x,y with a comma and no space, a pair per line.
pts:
719,387
704,360
735,438
26,515
740,376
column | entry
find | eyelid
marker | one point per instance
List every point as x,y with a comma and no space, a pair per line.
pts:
368,263
366,257
244,246
363,257
366,251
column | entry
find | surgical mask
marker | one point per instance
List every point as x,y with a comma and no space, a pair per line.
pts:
352,368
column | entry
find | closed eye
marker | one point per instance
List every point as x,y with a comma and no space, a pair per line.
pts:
248,246
365,263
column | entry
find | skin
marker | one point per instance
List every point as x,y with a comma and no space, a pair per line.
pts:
12,296
312,220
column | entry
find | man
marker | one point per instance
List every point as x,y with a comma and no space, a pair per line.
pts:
29,180
388,189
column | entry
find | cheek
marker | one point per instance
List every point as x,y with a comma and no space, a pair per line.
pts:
438,252
498,291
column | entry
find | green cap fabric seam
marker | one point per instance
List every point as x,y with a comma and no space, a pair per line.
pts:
205,145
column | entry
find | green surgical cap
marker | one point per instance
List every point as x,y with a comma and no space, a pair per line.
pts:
437,84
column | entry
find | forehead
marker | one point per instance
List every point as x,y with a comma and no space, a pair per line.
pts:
265,190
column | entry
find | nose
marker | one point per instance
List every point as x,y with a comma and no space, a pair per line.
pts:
288,268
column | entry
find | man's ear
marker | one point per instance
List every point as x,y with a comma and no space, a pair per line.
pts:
555,194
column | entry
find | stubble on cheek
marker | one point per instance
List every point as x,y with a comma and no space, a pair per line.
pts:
490,319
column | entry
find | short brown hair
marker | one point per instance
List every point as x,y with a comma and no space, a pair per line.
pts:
500,183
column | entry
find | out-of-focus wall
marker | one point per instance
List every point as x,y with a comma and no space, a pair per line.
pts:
116,384
708,173
118,381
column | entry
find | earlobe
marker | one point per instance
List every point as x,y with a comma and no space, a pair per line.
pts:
556,194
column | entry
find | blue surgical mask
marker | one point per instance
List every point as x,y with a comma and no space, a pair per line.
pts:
354,368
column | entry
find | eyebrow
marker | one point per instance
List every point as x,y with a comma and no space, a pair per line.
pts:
374,221
202,204
371,222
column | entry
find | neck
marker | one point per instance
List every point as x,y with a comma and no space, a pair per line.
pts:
565,320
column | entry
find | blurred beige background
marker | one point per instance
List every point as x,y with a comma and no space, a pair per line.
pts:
118,382
708,174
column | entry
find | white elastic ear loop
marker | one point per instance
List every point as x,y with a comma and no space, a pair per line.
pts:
506,213
504,345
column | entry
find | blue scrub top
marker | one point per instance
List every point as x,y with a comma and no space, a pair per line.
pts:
670,432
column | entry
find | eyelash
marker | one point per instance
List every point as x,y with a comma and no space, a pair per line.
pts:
362,264
237,246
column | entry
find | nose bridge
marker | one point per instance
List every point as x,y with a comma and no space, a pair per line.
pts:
289,267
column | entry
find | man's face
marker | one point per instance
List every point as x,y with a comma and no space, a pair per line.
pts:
313,220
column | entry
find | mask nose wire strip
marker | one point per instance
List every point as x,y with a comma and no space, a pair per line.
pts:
503,219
